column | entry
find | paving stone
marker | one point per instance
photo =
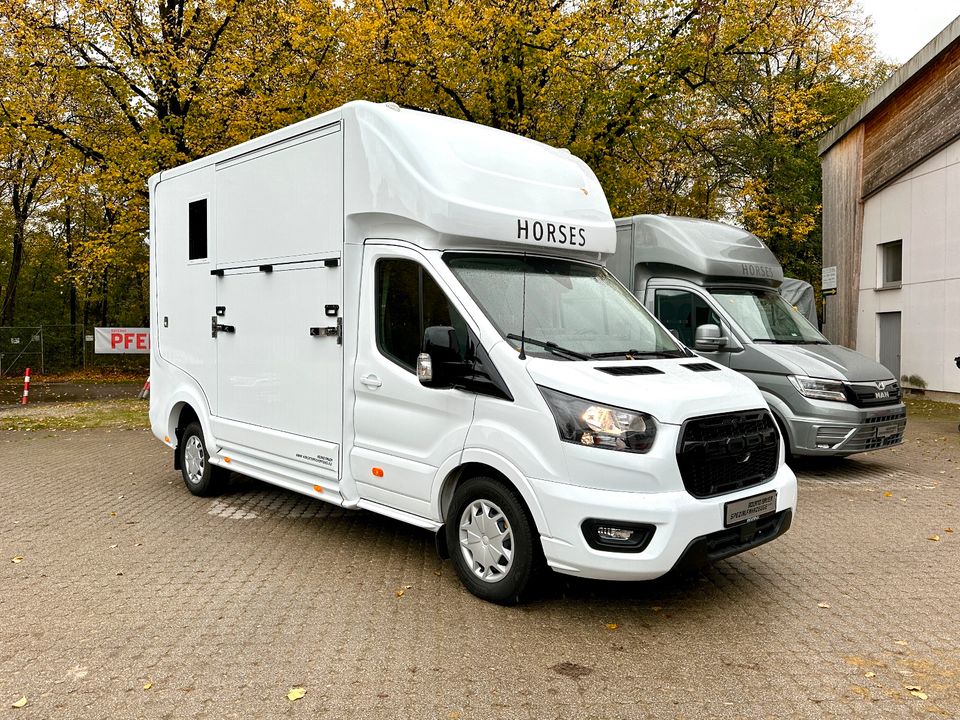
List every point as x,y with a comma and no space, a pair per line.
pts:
224,604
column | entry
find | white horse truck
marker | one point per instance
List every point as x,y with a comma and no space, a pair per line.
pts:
403,313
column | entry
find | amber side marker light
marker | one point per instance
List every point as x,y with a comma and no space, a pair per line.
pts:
318,489
226,460
378,472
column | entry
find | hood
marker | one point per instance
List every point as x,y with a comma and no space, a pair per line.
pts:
672,395
834,362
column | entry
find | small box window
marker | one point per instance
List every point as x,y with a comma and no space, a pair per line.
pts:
891,264
197,211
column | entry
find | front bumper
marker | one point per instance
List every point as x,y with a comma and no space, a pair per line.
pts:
839,433
680,519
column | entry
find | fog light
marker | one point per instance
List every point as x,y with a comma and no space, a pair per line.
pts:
616,536
614,533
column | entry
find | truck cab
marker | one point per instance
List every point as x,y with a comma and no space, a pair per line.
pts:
716,289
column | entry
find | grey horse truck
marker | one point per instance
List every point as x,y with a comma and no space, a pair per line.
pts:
715,287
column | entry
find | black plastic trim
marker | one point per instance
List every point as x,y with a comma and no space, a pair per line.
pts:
733,541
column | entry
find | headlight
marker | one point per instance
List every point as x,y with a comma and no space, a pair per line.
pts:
818,389
587,423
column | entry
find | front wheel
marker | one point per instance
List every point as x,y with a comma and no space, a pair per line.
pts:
200,477
492,541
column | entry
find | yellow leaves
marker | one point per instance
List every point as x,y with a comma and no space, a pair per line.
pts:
916,691
296,693
934,538
888,494
612,626
400,591
16,559
147,685
825,606
20,703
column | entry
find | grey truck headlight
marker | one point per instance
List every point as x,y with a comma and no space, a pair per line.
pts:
603,426
818,388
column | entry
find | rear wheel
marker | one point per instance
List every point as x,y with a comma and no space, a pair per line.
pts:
492,542
200,477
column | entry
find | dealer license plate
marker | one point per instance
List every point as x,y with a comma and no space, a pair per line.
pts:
751,508
885,431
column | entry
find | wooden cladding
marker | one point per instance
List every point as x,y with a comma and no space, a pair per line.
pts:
919,119
842,234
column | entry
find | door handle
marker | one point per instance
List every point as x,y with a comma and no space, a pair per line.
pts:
371,381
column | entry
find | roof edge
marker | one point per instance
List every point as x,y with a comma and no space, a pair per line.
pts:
908,70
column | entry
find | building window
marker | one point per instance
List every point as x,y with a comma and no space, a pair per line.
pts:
891,264
197,230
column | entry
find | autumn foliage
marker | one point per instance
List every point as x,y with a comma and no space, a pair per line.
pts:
708,108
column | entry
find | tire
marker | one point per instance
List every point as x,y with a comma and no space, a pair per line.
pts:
498,568
199,475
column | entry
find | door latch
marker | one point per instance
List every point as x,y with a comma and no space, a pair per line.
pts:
332,331
216,327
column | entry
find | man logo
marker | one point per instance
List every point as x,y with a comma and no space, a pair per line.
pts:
882,393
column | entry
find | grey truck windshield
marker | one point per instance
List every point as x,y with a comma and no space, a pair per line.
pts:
766,317
573,311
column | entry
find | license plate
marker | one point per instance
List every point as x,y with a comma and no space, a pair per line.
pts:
751,508
885,431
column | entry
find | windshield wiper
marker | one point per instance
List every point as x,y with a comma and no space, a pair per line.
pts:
550,347
634,354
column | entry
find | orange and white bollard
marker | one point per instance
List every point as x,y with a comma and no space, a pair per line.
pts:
26,387
144,393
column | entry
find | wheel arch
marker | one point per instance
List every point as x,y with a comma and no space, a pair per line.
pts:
473,463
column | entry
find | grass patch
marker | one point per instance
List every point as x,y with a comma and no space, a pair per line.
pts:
128,414
921,408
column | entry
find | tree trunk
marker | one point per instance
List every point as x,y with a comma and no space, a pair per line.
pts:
7,312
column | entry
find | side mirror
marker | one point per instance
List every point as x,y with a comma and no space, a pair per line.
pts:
709,338
440,363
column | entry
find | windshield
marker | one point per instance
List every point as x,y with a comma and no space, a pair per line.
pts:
766,317
574,311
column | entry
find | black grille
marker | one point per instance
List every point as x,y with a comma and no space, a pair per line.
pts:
720,454
700,367
630,370
865,394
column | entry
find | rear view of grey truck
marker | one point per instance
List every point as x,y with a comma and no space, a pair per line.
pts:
715,287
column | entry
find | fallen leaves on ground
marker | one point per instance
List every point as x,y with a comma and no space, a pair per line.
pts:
20,703
612,626
825,606
147,686
296,693
401,590
870,674
934,538
916,691
888,494
16,559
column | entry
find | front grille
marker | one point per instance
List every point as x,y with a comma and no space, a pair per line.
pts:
720,454
864,394
630,370
866,438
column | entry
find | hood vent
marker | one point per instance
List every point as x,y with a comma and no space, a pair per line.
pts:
701,367
630,370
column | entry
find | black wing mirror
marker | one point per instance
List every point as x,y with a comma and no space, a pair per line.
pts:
440,363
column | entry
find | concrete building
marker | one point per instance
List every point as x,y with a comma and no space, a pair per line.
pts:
891,219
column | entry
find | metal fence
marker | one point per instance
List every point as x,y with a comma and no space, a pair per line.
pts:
49,349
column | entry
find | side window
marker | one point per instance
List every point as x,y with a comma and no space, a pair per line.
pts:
682,312
408,301
197,229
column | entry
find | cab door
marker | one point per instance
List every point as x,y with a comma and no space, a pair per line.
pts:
682,311
403,431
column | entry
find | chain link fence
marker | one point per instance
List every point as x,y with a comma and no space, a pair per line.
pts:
53,349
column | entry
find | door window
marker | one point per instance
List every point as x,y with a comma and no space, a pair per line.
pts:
409,301
682,312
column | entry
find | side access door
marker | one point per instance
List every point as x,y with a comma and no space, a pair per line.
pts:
404,432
